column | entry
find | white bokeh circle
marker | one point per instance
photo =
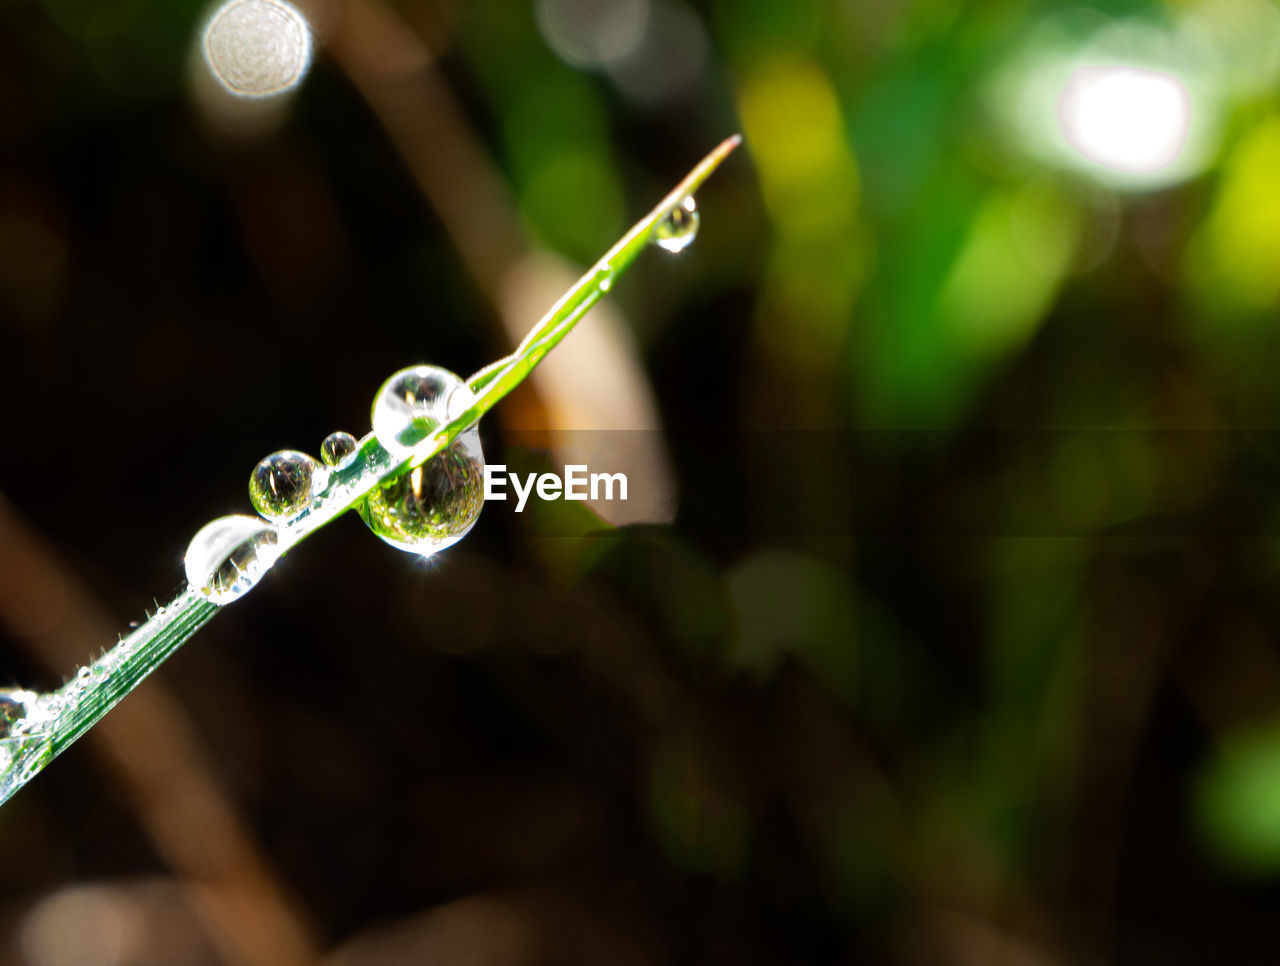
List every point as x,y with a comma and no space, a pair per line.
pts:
257,48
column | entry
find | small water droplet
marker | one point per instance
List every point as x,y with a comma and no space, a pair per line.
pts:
338,449
280,485
228,556
413,403
13,708
433,506
676,231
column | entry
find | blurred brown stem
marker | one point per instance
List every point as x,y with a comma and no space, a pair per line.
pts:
393,71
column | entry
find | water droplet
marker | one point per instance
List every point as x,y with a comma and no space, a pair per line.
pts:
23,751
280,485
433,506
679,228
228,556
412,404
338,449
13,708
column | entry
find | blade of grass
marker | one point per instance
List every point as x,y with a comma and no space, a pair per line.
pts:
496,380
54,720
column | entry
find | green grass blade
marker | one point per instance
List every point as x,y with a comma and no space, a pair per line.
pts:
494,381
56,719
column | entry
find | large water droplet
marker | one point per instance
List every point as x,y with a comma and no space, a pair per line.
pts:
228,556
677,230
338,449
433,506
280,486
413,403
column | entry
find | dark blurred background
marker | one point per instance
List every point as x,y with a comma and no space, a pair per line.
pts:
941,627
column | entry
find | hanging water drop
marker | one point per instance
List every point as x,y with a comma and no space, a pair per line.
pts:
679,227
434,505
338,449
280,485
413,403
228,556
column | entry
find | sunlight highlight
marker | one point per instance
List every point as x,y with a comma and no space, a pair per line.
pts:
1125,118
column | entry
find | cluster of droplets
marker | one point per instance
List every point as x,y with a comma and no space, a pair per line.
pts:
422,510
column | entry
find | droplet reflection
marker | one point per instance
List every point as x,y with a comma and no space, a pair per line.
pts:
434,505
280,486
413,403
338,449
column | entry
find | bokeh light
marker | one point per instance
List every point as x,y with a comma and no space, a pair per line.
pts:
670,58
80,926
1125,118
592,33
1125,102
257,48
